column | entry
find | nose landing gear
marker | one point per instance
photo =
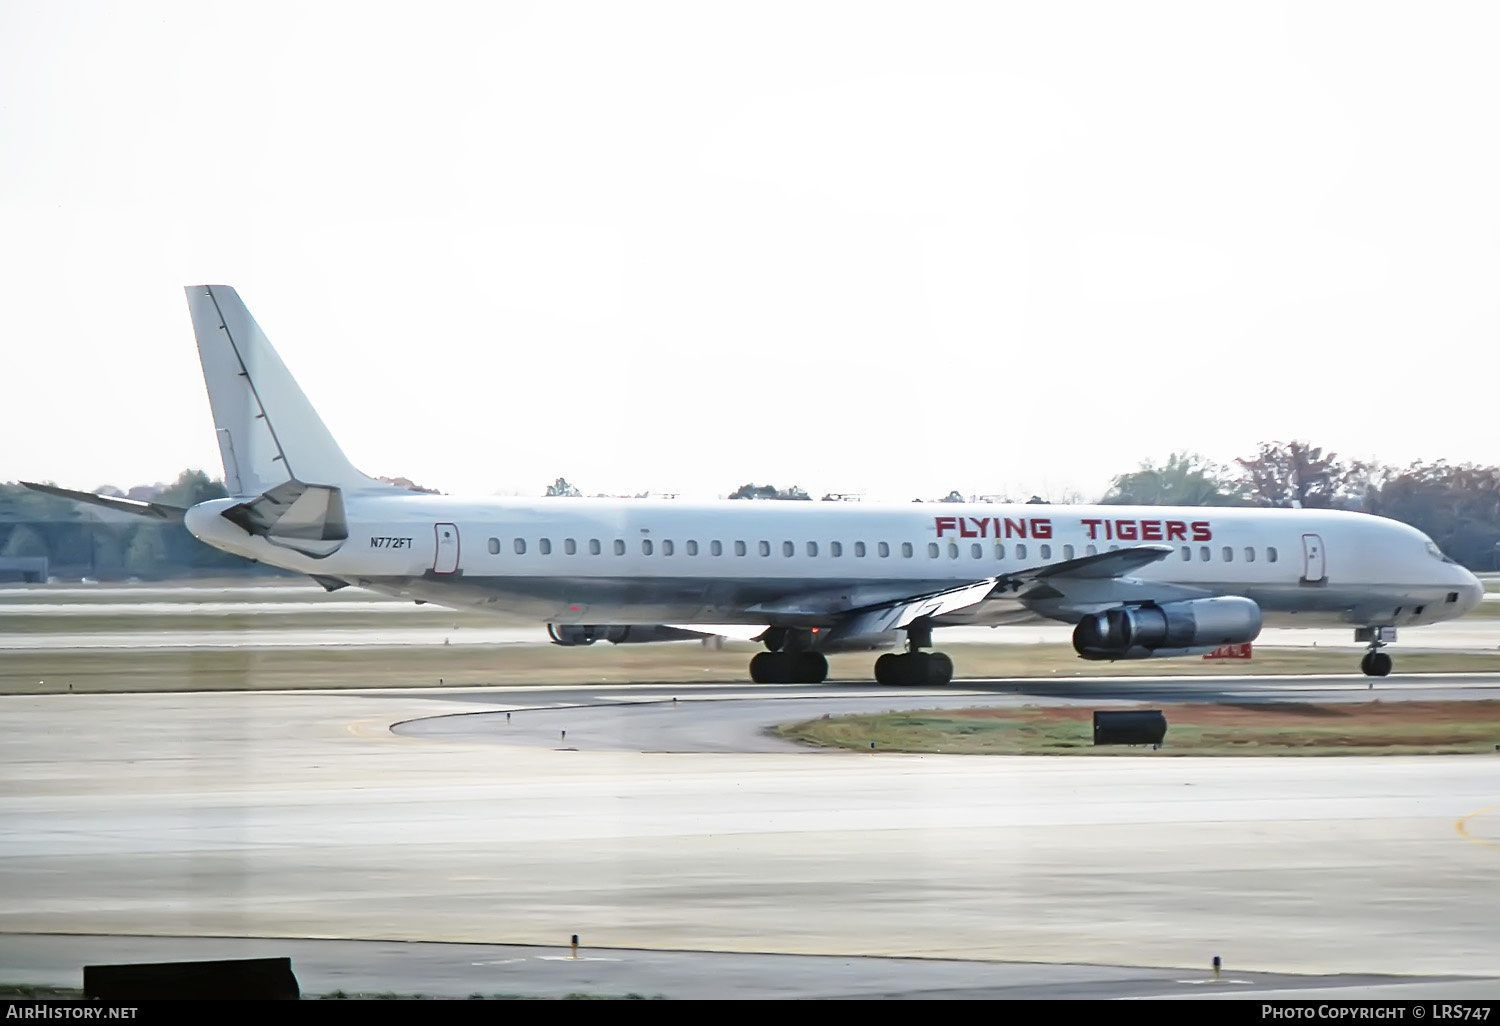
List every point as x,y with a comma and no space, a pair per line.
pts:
1375,662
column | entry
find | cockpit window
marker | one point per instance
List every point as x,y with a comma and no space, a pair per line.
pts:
1436,552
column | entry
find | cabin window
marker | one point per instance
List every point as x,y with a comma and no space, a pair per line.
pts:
619,547
570,547
1044,551
932,550
1020,552
1249,554
544,546
976,550
692,548
812,548
645,546
520,546
494,546
594,548
884,550
1067,552
1228,554
788,549
765,548
953,550
1091,550
1114,548
835,549
859,548
1187,553
715,548
739,548
1271,554
666,548
999,551
1205,554
906,550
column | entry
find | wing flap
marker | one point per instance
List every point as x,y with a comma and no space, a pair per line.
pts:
896,615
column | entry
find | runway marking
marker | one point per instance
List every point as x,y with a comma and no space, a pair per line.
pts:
375,729
1463,830
500,961
578,958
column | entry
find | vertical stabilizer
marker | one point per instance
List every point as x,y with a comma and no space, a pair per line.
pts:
269,433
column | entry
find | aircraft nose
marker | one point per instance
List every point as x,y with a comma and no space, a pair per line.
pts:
1471,594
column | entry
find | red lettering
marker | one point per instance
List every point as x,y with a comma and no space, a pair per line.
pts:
1176,530
1150,530
1015,528
1093,526
1109,530
1125,530
1201,531
983,523
1041,528
963,529
946,524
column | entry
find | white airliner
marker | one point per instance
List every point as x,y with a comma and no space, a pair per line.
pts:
804,578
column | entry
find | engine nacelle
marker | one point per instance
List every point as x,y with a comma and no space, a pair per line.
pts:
1156,631
571,634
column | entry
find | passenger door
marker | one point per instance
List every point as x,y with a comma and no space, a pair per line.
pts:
446,560
1312,559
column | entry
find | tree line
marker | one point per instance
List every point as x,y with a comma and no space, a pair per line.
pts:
1457,505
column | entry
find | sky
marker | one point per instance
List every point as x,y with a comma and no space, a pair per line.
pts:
886,249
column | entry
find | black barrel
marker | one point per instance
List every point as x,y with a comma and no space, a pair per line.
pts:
240,979
1130,727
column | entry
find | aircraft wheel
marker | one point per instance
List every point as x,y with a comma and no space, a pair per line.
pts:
939,669
1364,664
1380,664
887,669
812,668
763,667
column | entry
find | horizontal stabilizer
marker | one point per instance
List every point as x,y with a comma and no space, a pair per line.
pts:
158,510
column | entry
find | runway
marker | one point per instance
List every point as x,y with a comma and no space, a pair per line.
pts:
650,828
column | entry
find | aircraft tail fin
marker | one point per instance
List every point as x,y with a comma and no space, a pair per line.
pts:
269,433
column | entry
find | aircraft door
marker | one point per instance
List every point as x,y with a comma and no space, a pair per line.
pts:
1312,559
446,560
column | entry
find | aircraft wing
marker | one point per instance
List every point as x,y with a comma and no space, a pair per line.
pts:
1101,566
1043,582
895,615
158,510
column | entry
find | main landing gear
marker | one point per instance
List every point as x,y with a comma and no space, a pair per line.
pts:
915,668
1375,662
790,659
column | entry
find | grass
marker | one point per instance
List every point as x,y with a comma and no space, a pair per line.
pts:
1269,728
162,670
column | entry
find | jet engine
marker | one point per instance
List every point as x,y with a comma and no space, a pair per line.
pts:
570,634
1154,631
